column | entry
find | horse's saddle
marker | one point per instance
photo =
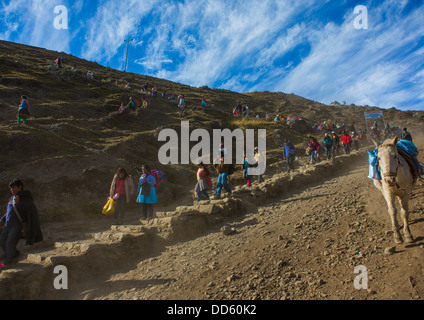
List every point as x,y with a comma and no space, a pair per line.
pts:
414,165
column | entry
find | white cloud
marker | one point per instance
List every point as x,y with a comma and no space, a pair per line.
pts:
359,66
112,23
33,24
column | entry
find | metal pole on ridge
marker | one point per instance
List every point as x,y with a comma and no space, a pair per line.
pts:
126,54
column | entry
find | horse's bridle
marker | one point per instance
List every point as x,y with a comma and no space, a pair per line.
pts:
391,174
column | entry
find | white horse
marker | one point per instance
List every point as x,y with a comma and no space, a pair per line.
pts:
396,181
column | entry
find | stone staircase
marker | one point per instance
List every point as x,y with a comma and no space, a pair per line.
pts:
98,253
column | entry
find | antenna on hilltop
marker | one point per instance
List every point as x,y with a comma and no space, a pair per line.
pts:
126,55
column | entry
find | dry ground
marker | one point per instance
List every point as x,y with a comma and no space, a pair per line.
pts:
301,245
304,245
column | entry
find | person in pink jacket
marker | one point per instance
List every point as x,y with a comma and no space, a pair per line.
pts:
121,190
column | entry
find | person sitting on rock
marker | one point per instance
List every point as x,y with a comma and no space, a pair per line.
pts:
154,91
145,104
132,105
122,108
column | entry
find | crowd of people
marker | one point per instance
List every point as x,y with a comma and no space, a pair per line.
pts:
21,219
241,110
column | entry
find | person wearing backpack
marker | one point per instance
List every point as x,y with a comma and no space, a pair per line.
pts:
312,150
336,143
328,145
147,192
289,154
121,190
131,105
203,182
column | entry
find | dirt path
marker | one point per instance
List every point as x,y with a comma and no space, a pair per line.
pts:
303,245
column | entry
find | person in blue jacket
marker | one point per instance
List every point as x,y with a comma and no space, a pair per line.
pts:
289,154
23,111
204,105
327,141
147,192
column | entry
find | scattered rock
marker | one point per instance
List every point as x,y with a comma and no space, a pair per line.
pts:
226,230
389,251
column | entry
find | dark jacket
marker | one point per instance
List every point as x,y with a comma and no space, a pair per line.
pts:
406,136
29,214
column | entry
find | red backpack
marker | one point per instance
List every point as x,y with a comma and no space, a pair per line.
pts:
159,175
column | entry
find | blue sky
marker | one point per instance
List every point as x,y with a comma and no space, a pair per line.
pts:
306,47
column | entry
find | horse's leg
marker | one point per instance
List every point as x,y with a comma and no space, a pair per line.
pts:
404,204
390,199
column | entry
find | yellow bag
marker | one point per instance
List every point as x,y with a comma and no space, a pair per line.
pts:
109,208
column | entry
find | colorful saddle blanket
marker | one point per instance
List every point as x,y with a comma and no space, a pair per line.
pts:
407,149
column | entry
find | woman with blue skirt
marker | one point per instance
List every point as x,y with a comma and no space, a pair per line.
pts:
147,192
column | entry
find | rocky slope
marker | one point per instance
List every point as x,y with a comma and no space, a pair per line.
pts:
292,237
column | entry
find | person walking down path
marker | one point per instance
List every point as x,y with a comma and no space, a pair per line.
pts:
222,170
328,145
21,215
121,190
347,142
260,162
289,154
59,62
204,105
336,143
312,150
246,174
203,182
182,105
147,192
23,110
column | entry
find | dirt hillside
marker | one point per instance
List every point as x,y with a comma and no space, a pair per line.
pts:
296,236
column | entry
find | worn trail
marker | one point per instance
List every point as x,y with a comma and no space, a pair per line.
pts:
304,245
